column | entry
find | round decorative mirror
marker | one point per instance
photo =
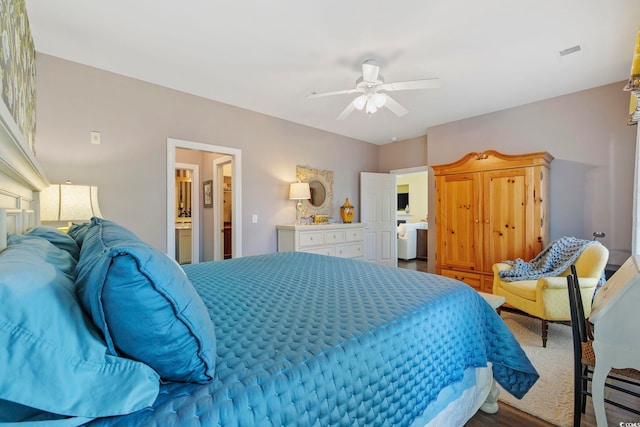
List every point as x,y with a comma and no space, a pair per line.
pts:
321,187
318,193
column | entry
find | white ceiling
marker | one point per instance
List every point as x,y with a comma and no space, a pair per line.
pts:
266,56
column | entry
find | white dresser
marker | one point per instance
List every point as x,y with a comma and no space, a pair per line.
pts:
341,240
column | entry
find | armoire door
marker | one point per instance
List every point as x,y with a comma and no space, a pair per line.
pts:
458,220
509,227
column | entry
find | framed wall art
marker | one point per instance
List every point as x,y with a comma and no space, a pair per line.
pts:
207,191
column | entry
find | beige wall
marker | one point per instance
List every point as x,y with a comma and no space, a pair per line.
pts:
403,154
135,119
594,150
586,132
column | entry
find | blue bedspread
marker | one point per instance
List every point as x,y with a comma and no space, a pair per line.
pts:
311,340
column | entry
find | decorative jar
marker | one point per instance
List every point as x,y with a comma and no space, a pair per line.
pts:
347,211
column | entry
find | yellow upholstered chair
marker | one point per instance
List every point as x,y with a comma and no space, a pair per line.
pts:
547,297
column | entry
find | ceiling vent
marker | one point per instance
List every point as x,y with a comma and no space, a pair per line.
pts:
570,50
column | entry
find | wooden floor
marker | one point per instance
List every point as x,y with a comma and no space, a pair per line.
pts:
420,265
506,416
509,416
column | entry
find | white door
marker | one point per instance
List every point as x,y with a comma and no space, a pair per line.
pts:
219,197
378,200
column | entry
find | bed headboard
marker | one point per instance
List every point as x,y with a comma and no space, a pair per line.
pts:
15,221
21,179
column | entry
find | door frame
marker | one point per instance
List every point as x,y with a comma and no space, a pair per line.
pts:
431,239
409,170
236,190
218,196
392,242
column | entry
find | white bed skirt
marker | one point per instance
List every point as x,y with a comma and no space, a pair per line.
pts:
457,403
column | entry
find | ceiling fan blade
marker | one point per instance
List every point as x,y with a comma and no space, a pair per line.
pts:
345,113
412,84
335,92
393,105
370,70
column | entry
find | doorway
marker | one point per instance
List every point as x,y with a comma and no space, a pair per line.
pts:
207,233
378,197
412,184
415,182
186,213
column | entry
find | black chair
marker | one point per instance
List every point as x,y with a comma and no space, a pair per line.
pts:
584,360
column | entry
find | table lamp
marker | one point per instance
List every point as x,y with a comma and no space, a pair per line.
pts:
299,191
67,202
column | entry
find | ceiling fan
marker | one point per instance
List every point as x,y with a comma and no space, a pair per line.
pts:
371,86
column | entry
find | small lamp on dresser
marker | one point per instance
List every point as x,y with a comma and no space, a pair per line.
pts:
299,191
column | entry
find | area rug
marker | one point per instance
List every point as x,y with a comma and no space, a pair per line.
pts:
551,397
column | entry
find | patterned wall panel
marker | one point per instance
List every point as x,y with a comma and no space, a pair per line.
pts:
17,67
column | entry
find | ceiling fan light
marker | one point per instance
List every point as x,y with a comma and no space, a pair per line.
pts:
379,99
359,102
371,107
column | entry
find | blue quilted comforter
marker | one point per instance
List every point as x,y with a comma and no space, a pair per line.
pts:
312,340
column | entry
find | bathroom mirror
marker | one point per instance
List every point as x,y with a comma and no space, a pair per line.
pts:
183,194
321,187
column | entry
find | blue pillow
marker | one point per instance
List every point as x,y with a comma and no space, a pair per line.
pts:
78,231
144,304
51,355
57,237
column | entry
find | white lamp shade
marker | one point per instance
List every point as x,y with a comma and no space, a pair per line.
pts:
371,107
360,102
63,202
379,99
299,191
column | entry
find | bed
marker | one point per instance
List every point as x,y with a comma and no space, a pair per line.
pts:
99,328
298,339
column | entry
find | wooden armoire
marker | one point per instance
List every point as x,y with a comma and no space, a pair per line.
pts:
490,207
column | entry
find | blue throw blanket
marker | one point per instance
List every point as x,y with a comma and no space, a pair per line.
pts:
551,262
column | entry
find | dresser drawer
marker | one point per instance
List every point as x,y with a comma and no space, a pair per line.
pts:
325,250
341,240
356,235
354,250
471,279
334,236
311,238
